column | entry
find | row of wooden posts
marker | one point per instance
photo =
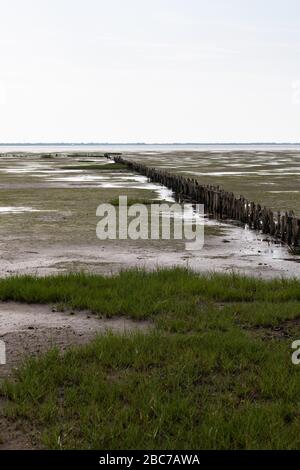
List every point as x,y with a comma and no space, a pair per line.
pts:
224,204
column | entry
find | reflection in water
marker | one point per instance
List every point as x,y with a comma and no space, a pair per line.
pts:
19,210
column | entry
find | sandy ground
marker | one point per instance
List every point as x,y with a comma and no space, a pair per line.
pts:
33,329
238,250
29,330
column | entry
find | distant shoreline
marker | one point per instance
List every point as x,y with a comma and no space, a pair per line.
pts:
71,144
139,147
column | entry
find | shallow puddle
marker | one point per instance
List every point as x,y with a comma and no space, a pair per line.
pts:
16,210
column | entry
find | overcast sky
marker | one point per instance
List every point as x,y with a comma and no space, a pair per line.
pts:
149,70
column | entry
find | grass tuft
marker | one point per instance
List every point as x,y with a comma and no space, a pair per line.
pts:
214,373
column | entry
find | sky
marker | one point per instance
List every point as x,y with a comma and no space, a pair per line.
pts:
149,71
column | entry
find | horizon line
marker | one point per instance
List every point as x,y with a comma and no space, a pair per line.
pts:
144,143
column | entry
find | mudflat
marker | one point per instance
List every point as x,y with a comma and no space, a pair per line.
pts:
48,206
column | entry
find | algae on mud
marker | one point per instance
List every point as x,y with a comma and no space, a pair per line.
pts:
270,178
62,234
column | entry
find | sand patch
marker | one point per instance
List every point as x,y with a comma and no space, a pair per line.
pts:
29,330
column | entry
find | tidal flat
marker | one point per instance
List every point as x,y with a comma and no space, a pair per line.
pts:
270,178
48,206
144,335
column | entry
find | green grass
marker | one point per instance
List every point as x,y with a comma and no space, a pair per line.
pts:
215,371
106,166
141,294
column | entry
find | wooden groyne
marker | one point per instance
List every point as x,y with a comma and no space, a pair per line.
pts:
224,204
